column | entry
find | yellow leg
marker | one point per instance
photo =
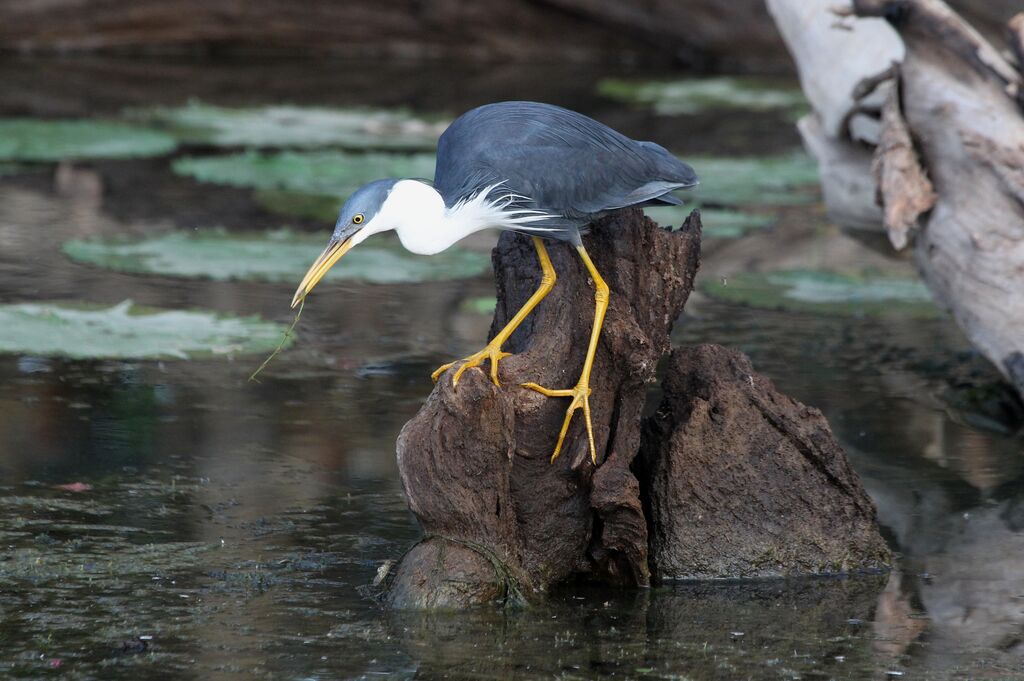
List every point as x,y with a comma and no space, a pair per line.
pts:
492,351
581,393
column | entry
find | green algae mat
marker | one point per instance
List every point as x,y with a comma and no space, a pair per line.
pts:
129,331
279,256
41,140
821,292
294,126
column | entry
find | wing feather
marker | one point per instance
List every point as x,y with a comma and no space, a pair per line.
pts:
566,163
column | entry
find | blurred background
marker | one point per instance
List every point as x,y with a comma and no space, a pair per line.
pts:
168,170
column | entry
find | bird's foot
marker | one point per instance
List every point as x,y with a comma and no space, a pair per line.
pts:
492,352
580,400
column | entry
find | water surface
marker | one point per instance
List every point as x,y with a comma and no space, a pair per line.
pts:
169,519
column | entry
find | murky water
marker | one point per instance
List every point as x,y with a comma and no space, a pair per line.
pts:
173,520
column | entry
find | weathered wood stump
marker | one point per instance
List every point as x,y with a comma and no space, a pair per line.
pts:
742,481
474,462
503,523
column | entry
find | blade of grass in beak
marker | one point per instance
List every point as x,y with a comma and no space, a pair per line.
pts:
318,269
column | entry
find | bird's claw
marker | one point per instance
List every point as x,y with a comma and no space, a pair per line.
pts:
580,400
490,352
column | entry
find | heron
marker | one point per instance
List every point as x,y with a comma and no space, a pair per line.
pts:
537,169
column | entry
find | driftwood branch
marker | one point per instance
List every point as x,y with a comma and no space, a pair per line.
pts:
947,165
933,22
1015,38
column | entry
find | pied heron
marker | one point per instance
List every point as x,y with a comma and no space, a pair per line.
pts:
532,168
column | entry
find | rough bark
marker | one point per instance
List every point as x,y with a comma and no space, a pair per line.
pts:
903,187
948,160
1015,37
474,462
742,481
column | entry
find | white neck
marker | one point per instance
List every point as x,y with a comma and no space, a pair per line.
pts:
426,226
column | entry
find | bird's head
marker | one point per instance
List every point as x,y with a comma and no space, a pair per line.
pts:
361,216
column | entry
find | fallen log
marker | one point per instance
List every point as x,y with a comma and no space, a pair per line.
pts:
502,523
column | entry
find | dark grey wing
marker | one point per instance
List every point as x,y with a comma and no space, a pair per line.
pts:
566,163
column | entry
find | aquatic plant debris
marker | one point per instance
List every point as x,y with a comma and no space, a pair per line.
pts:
695,95
41,140
821,292
294,126
280,256
129,331
286,338
782,180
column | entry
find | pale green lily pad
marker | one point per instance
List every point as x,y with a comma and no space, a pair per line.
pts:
128,331
715,223
294,126
328,173
322,207
479,305
694,95
784,180
280,256
34,140
866,294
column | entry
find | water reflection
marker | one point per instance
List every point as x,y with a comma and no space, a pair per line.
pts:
238,524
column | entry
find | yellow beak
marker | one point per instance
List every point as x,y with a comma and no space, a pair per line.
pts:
318,269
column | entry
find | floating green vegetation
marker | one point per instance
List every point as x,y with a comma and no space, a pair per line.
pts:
323,207
715,223
694,95
294,126
866,294
784,180
127,331
280,256
327,173
32,140
479,305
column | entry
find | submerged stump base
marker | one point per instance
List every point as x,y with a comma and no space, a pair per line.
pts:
503,523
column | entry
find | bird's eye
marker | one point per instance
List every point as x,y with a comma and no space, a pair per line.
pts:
357,219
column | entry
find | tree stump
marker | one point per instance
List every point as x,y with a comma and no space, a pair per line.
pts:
474,462
503,523
742,481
